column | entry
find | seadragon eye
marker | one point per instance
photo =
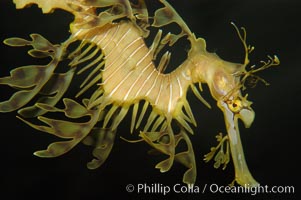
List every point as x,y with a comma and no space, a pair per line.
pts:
235,105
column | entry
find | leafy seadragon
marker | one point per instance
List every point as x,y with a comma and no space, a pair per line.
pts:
113,51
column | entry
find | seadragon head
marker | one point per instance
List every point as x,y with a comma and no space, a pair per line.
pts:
226,81
233,78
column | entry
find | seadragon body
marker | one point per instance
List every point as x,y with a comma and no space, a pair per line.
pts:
112,46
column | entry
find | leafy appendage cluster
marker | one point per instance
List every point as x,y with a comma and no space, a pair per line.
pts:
220,153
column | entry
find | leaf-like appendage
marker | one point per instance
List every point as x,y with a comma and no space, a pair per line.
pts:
16,42
220,157
168,15
102,139
41,44
76,131
209,156
30,80
167,143
53,91
46,5
38,54
187,159
168,148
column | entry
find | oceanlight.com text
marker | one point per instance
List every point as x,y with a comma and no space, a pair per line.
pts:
159,188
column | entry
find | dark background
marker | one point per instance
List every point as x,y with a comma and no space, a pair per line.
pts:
271,145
